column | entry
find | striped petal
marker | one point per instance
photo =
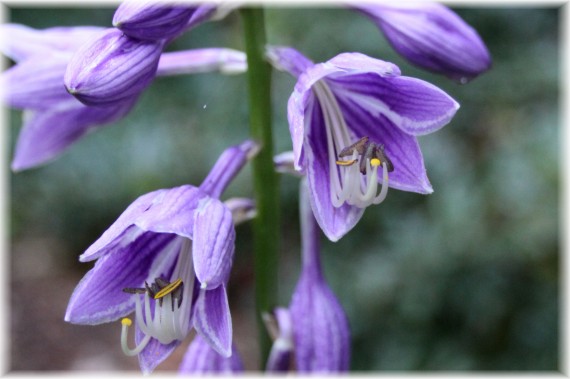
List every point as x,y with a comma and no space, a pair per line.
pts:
212,319
213,247
99,298
200,358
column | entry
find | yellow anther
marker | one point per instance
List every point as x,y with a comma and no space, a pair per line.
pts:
375,162
168,289
126,321
346,163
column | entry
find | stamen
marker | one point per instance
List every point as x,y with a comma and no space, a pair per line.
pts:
351,184
168,289
346,163
167,318
126,323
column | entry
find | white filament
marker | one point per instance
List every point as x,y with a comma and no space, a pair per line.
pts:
170,321
346,182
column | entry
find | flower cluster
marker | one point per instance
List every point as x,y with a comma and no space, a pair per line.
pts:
354,122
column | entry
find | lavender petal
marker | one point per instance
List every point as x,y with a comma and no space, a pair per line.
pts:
200,358
47,133
212,319
98,297
23,42
154,353
149,20
213,244
431,36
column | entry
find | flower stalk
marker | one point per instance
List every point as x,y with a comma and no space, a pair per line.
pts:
266,223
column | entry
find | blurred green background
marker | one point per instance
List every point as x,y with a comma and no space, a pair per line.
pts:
464,279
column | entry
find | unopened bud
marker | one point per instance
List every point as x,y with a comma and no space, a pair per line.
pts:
112,68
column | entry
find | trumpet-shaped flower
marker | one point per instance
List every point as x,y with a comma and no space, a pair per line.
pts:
431,36
353,123
53,119
201,359
167,258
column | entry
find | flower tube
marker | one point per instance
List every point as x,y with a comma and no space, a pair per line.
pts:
167,258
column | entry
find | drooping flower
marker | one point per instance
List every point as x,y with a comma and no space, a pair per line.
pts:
53,119
151,20
431,36
201,359
351,117
315,327
168,259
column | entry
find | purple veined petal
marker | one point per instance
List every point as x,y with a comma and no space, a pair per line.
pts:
413,105
226,61
154,353
403,149
172,211
431,36
47,133
213,244
99,298
288,59
335,222
212,319
320,326
151,20
341,65
36,83
20,42
200,358
228,165
122,231
112,68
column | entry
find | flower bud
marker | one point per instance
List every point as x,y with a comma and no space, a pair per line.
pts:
320,326
112,68
433,37
150,20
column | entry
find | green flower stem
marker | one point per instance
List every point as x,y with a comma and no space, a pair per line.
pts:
266,223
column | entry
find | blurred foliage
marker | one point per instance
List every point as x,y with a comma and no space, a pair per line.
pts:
464,279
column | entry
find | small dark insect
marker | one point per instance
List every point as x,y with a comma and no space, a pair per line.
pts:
367,150
159,289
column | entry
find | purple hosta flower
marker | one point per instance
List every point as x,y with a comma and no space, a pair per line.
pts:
351,117
151,20
320,330
431,36
200,358
168,259
112,68
53,119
